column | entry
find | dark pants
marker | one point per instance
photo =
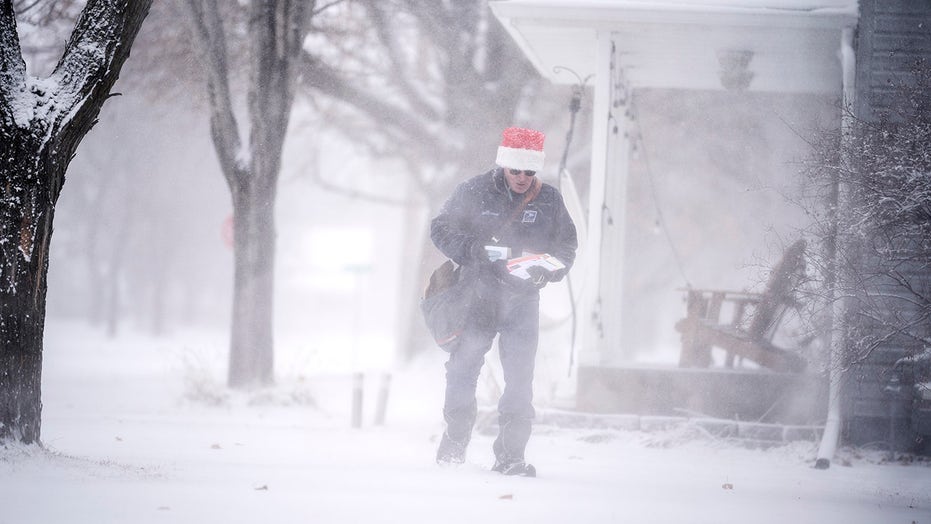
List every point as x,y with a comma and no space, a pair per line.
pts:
515,316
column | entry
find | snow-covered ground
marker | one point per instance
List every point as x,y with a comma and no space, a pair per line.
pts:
138,430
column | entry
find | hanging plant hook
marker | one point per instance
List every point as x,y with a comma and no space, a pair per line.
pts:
581,81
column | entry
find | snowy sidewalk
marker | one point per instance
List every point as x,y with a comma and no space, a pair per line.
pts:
125,447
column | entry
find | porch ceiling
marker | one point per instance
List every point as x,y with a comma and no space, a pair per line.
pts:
688,44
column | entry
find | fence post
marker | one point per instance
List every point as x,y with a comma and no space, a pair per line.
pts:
357,385
382,405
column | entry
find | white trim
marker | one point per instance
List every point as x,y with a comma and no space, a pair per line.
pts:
673,44
517,158
589,335
607,14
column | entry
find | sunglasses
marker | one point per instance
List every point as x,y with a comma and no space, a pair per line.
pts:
525,172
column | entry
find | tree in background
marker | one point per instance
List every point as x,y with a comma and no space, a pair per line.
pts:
166,71
431,84
876,230
42,121
139,251
251,165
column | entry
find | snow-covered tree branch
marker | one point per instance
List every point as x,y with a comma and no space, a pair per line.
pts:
882,225
42,121
210,44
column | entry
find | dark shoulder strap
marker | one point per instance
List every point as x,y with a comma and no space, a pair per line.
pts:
528,197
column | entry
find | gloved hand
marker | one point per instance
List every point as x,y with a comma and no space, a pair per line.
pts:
538,277
500,267
478,253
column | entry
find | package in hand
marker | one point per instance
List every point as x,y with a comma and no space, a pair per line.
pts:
519,266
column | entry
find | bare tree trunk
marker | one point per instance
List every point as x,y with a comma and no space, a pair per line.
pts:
412,332
275,32
157,298
41,125
251,345
414,336
22,294
111,287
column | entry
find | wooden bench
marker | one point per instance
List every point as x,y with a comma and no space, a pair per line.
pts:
754,318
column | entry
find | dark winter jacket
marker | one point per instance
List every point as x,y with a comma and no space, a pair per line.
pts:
478,207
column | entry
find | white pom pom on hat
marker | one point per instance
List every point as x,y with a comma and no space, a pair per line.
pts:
521,149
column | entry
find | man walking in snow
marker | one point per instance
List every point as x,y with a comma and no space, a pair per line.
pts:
505,212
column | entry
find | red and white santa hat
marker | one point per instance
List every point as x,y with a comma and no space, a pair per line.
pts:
521,149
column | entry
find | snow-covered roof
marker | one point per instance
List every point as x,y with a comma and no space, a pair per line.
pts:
789,45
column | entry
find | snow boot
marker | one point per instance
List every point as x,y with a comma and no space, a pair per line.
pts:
451,451
520,469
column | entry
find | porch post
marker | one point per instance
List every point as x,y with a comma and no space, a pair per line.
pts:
831,435
614,216
600,310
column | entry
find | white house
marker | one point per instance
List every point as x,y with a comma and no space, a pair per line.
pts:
854,51
777,46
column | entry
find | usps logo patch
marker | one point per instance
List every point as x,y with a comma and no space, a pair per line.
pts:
530,216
